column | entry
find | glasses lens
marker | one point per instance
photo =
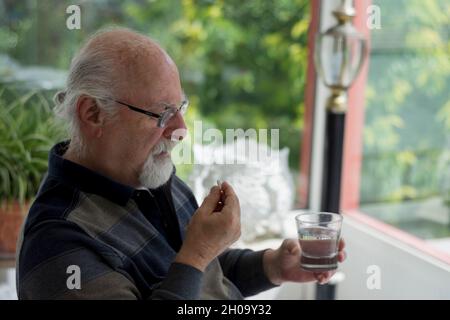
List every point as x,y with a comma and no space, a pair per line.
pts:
170,112
184,107
166,116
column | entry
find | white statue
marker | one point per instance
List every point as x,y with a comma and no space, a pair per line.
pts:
263,183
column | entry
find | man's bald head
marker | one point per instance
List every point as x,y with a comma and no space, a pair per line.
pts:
138,60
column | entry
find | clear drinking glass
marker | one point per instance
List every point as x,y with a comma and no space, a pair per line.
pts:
319,234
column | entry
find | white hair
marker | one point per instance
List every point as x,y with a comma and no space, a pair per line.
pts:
157,172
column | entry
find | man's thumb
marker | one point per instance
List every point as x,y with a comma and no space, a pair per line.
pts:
210,202
291,246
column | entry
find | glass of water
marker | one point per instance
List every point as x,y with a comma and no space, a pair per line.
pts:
319,234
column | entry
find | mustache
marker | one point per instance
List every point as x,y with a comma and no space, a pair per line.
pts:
164,145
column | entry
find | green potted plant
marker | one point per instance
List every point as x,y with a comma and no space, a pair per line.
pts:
27,132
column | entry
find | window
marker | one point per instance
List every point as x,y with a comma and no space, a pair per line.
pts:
405,168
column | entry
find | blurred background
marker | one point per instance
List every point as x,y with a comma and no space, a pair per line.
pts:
244,65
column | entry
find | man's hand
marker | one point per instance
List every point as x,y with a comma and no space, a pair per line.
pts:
283,264
210,232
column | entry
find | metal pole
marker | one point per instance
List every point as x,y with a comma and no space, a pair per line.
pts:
334,142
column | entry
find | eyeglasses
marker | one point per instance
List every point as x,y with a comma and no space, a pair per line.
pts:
163,117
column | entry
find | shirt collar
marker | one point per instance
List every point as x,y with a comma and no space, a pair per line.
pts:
86,180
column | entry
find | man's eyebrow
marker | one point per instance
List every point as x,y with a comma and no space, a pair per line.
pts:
162,103
165,103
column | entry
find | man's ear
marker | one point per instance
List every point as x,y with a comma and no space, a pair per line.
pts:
91,117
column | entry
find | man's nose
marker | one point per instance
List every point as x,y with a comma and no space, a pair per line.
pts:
176,128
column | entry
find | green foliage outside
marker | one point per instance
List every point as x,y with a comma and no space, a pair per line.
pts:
27,132
407,130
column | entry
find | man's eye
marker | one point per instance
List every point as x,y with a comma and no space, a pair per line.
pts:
163,107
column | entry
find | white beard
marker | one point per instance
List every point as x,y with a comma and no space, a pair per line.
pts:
157,172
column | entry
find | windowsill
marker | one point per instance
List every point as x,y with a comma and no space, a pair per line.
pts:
440,244
400,237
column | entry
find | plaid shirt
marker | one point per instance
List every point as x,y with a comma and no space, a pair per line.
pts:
118,239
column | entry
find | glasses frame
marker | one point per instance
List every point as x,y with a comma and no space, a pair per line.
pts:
163,117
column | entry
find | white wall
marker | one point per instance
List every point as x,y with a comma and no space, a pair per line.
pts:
406,273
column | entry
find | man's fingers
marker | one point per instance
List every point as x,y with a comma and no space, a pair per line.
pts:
320,277
228,193
341,244
229,197
211,200
342,256
323,277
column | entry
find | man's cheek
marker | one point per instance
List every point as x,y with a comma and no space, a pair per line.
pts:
148,142
153,138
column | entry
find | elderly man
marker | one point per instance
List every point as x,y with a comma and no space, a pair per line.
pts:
111,219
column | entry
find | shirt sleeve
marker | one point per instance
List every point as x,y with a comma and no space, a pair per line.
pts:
244,268
181,283
57,260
